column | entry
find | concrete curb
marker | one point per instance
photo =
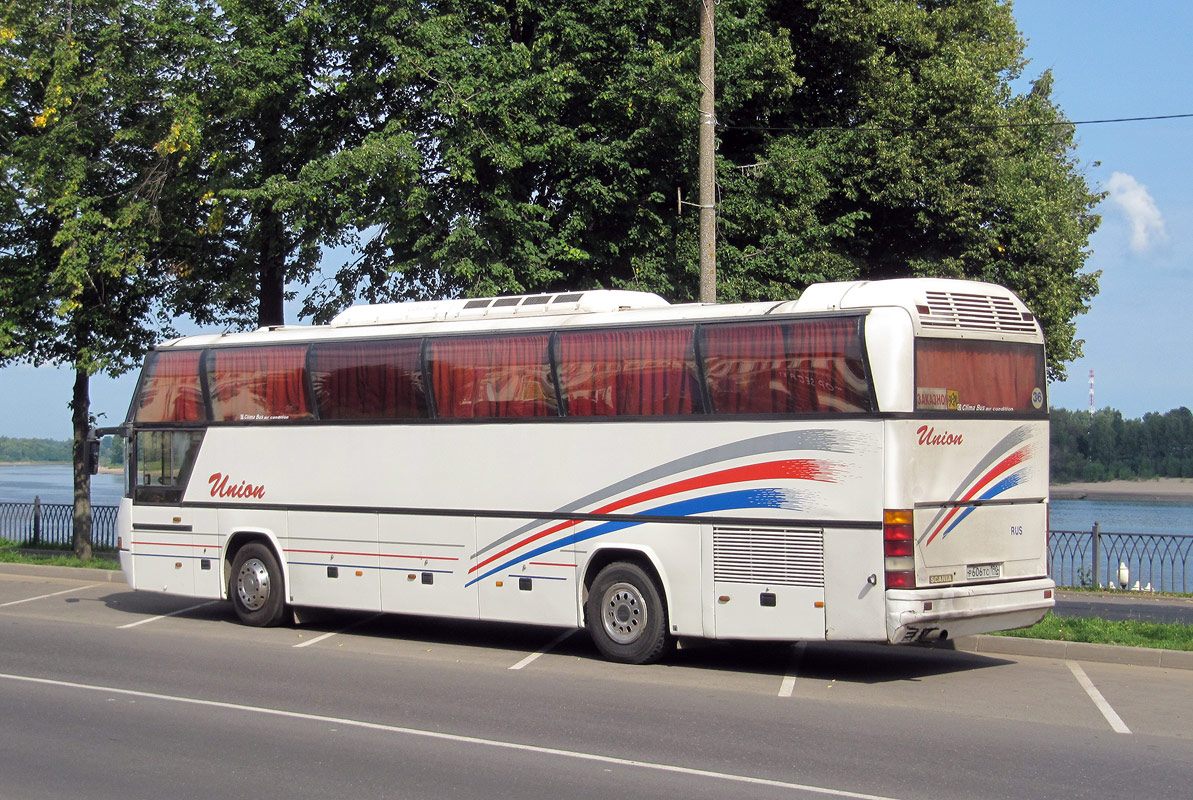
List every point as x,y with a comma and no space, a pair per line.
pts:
984,645
1075,651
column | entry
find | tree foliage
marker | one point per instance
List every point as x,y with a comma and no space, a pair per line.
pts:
198,156
857,141
289,107
81,166
1105,446
85,155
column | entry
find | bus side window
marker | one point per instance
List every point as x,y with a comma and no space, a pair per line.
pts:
170,390
369,380
163,464
492,377
803,367
629,372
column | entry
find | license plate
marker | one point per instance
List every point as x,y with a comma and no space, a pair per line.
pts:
980,572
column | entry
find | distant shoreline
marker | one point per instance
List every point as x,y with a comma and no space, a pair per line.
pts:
53,464
1164,490
35,463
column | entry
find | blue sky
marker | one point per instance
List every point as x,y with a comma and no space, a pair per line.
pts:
1110,59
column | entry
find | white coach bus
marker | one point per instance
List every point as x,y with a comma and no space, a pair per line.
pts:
867,463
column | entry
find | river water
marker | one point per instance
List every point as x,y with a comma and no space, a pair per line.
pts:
54,483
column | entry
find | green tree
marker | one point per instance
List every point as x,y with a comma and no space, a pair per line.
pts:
857,140
85,155
293,114
904,151
551,139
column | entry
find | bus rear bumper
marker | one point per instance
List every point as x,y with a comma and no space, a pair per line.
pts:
918,615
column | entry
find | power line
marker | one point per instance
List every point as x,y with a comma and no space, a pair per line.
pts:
976,126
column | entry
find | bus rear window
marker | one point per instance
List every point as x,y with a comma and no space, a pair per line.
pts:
968,375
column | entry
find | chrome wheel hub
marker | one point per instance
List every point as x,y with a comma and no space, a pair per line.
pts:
252,584
623,613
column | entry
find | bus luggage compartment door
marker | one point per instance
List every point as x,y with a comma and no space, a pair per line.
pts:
768,583
964,544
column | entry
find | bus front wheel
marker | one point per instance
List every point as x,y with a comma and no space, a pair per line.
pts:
625,615
257,587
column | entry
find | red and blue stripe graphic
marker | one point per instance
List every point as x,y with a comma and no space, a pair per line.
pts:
537,539
1004,467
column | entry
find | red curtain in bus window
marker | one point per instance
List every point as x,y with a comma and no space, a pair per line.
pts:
171,391
368,380
747,367
487,377
828,372
977,376
629,372
259,384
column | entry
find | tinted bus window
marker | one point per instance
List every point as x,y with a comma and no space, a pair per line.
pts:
163,460
492,377
631,372
368,380
967,375
258,384
786,367
170,389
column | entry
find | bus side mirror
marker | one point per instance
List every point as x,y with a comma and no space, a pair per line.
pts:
91,453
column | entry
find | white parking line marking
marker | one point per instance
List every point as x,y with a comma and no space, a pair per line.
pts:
1114,719
550,646
147,620
457,738
44,596
797,658
330,634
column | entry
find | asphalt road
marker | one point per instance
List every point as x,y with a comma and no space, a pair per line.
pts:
107,693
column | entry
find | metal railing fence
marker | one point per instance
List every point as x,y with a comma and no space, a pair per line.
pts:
1091,558
40,524
1097,558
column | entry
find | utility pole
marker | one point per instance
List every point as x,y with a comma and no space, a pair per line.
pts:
708,150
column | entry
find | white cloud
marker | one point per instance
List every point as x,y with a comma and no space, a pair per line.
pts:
1147,223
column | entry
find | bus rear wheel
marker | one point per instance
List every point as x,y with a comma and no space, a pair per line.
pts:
625,615
257,587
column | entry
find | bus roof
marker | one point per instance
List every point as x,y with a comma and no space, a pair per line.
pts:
937,306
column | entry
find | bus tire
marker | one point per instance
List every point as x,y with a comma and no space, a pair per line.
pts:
625,615
257,587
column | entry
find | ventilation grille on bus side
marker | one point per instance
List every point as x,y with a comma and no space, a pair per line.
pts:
768,556
977,312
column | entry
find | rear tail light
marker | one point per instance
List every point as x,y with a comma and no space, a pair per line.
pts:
898,545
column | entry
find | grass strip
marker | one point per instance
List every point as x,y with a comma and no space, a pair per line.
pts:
1092,630
9,554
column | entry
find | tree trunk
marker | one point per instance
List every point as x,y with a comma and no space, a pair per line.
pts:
80,405
273,247
271,308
